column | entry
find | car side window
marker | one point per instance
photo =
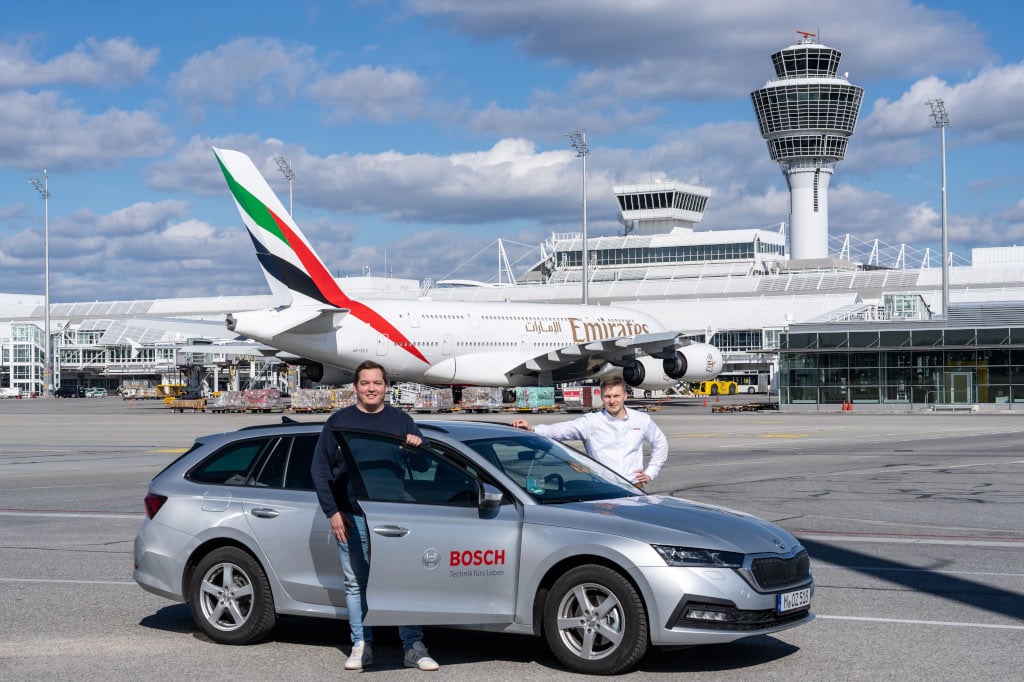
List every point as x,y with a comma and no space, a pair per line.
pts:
272,473
395,472
231,465
298,476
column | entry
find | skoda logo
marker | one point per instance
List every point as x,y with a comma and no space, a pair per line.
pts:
779,543
431,559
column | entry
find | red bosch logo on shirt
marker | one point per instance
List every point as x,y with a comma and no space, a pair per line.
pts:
477,557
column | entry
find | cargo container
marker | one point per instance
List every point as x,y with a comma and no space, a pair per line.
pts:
535,399
481,399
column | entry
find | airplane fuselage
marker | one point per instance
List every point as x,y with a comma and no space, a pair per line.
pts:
443,342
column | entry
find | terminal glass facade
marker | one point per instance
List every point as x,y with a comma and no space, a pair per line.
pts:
23,354
639,201
654,255
915,367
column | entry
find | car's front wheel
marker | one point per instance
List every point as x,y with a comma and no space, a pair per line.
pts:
230,597
595,622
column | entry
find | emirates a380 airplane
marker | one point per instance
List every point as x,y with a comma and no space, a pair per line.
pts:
440,342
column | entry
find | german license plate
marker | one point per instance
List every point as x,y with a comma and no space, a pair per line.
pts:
798,599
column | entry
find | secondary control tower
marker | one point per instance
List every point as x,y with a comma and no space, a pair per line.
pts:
807,114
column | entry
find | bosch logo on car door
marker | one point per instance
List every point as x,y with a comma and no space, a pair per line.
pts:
477,557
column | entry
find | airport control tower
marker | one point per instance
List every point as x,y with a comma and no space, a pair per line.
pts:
807,114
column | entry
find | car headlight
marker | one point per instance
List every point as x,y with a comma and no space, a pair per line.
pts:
694,556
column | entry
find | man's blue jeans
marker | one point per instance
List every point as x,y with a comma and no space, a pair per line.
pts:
355,566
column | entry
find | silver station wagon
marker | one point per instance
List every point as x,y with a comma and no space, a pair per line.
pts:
494,528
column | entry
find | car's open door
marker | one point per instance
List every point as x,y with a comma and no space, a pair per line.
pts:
436,556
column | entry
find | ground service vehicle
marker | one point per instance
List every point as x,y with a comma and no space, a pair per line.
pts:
504,530
748,382
716,387
69,392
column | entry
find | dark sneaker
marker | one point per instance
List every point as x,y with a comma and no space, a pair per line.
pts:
418,657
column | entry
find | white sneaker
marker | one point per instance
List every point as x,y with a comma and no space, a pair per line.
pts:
418,657
361,655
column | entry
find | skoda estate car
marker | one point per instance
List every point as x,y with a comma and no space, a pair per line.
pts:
493,528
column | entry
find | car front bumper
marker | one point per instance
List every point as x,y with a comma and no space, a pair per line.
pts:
674,595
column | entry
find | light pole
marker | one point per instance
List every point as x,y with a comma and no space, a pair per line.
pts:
941,121
285,166
43,187
578,139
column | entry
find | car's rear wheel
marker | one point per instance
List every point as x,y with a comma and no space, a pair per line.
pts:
230,597
595,622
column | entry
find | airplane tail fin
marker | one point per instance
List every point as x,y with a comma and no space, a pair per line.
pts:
293,270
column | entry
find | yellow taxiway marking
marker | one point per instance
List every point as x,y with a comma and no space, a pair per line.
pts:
172,450
783,435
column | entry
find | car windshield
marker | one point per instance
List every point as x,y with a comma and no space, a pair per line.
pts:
551,472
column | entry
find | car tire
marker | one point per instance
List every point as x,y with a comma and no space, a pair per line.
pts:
574,630
230,597
750,390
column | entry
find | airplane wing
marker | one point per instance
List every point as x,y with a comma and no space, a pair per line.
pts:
241,348
618,352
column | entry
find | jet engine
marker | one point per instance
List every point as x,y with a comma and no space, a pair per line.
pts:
330,375
696,362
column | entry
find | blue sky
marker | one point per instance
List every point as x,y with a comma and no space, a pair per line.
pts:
420,131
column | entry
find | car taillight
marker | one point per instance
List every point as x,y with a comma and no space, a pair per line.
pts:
153,504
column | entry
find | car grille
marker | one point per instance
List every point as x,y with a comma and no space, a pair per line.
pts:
771,573
738,620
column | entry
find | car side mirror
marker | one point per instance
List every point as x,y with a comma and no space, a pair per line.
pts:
490,497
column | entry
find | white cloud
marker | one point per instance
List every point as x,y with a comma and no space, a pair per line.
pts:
262,70
106,64
977,107
99,256
369,92
139,217
546,115
708,50
43,130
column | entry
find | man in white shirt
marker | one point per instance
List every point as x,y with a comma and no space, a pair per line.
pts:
614,436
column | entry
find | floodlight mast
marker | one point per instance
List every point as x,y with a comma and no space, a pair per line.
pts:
43,187
285,166
941,121
578,140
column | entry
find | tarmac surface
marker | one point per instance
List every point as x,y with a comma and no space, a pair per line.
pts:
914,522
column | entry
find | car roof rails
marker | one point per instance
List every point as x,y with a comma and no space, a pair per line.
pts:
285,421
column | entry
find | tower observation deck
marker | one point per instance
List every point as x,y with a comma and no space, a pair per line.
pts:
807,114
